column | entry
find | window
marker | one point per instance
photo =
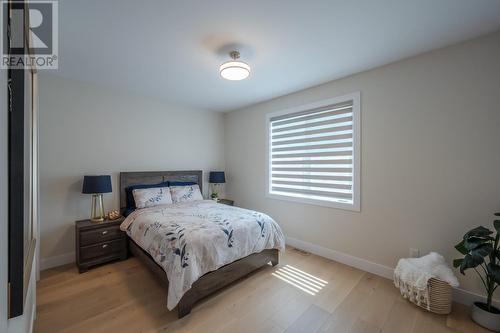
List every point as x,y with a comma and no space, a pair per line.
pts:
314,153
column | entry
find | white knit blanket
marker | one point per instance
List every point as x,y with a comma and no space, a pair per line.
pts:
412,275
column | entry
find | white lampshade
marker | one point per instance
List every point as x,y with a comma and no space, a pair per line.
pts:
234,70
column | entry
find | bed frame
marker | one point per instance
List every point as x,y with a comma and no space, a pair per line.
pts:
210,282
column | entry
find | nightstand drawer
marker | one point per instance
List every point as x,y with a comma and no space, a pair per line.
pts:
102,249
100,235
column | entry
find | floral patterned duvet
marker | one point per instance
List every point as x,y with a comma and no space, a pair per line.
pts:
190,239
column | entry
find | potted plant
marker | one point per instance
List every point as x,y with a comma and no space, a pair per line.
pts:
480,247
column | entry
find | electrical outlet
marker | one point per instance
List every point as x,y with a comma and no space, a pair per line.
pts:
414,253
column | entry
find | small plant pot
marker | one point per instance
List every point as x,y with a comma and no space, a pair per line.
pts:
485,318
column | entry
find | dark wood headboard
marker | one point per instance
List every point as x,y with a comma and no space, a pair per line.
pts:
154,177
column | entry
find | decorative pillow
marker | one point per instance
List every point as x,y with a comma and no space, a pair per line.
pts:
150,197
130,197
185,193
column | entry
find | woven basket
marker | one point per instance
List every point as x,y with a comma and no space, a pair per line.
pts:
440,293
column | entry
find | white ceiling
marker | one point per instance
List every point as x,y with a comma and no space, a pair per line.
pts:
171,49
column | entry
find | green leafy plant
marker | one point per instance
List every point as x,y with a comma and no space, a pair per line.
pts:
214,196
481,252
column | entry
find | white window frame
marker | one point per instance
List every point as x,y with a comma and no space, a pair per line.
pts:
356,118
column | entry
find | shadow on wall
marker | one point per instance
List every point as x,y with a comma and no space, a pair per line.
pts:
75,201
221,45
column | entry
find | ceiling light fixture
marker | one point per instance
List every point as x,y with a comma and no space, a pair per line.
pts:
235,69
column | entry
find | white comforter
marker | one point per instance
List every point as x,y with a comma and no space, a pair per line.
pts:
193,238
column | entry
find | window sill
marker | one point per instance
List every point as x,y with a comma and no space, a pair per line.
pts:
355,207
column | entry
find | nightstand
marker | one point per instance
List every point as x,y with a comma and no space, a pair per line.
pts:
97,243
226,202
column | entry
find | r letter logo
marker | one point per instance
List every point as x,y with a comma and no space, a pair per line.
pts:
41,49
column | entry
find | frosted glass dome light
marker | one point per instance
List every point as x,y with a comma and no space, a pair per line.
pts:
235,69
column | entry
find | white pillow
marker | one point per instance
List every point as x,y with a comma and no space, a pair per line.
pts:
150,197
185,193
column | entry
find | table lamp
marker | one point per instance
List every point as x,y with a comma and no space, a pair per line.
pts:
216,178
96,185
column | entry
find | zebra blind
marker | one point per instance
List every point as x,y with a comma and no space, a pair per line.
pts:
311,154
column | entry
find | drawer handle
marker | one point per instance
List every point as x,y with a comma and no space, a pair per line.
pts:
104,246
104,232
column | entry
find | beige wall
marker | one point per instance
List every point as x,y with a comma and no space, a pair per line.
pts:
86,129
430,156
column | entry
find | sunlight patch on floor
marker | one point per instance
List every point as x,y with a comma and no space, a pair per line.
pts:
300,279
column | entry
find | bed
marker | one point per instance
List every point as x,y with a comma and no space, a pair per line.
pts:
208,225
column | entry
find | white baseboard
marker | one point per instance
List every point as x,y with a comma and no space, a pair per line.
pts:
55,261
468,297
459,295
343,258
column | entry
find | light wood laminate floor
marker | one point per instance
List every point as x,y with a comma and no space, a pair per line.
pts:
304,293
